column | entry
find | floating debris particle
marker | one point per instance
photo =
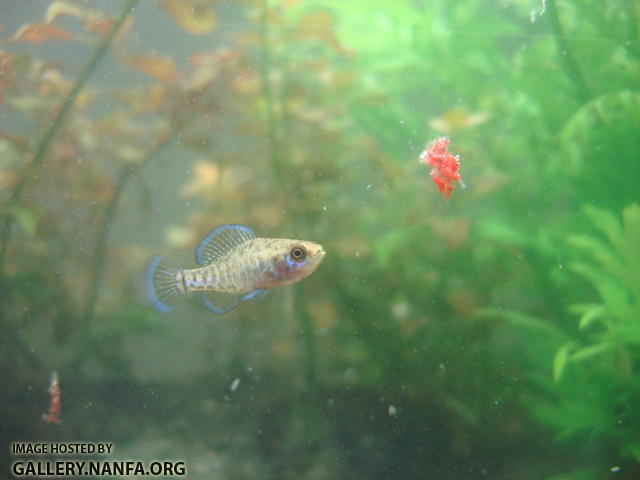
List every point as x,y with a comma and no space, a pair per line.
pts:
393,410
444,166
54,405
234,385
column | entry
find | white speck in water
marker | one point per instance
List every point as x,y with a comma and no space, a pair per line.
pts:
351,374
560,266
249,369
234,385
324,207
615,469
392,410
401,122
400,310
369,186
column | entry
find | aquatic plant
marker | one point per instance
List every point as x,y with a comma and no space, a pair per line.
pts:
306,118
614,271
599,370
587,391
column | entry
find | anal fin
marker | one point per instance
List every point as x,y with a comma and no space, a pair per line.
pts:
219,306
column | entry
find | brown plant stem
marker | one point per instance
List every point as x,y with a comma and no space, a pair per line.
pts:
46,140
278,149
177,124
125,174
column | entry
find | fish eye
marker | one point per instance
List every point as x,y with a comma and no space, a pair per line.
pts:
298,253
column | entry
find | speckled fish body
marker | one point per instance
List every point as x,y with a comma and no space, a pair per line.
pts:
233,261
257,263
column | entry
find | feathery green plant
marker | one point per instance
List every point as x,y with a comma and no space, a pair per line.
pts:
595,383
611,326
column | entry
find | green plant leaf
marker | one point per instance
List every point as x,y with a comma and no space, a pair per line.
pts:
26,217
582,308
634,450
560,361
591,316
606,222
603,254
614,296
630,250
523,320
590,351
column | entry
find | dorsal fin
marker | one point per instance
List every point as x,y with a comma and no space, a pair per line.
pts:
220,241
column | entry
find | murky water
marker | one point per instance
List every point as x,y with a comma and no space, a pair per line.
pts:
491,335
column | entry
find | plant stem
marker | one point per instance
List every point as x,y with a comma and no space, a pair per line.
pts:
125,174
632,28
45,142
277,155
267,93
567,59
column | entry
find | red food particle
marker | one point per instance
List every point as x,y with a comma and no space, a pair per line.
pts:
54,407
444,166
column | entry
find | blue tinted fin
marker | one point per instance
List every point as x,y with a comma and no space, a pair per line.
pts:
209,305
257,293
160,283
220,241
221,310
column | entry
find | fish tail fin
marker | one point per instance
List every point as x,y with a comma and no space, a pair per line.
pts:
161,283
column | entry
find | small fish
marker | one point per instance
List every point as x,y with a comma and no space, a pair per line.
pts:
54,406
233,262
444,166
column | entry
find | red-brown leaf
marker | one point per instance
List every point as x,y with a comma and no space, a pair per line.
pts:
40,32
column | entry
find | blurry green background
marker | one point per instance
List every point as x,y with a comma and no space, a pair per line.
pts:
496,335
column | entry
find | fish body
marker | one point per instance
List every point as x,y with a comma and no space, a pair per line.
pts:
258,263
233,261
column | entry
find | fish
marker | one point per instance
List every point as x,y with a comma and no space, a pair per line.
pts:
444,166
54,403
233,262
